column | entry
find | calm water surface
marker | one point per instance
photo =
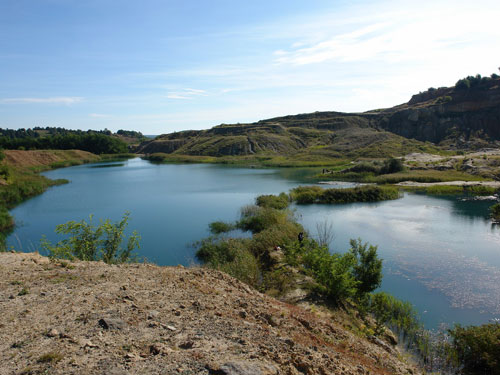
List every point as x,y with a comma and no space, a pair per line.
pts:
442,254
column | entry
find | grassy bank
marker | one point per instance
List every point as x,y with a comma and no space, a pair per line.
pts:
428,175
251,160
20,178
473,190
316,194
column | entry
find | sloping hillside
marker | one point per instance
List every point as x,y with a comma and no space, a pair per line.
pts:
456,118
93,318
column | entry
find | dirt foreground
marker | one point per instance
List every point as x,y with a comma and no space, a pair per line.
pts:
93,318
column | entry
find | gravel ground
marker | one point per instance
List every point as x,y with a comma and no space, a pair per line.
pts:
93,318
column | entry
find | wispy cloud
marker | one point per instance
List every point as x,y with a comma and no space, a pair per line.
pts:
65,100
420,33
186,94
99,115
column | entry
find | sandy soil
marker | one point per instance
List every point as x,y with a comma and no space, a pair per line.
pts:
93,318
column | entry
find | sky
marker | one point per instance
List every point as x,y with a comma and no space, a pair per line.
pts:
159,66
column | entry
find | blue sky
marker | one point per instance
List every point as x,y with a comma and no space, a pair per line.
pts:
162,66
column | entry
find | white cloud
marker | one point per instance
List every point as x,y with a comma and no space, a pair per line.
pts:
418,32
66,100
186,94
99,115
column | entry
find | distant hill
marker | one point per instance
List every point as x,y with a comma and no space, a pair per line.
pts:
466,116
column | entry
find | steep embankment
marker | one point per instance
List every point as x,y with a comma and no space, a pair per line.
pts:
46,158
93,318
455,117
19,179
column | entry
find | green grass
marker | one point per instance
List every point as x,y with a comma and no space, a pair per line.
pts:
22,183
267,161
50,357
410,175
452,190
316,194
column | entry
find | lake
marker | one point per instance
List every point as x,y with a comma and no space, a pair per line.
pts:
440,253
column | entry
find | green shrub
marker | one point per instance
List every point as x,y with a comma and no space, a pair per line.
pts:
392,165
478,348
278,202
256,219
231,256
333,272
306,194
368,268
364,167
400,315
495,212
92,243
315,194
218,227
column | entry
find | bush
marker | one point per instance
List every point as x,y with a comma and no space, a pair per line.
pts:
398,314
306,194
255,219
364,167
478,348
332,271
315,194
368,268
218,227
278,202
463,84
495,212
392,166
92,243
231,256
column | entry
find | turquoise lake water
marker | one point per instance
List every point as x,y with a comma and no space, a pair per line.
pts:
442,254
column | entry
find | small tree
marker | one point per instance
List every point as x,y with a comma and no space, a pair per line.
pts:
89,242
368,268
392,165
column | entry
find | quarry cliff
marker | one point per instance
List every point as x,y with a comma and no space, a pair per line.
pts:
448,117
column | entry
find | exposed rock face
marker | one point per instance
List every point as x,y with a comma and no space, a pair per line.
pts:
463,118
92,318
456,118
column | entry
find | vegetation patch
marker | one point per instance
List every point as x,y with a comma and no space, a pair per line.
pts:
495,212
50,357
91,242
316,194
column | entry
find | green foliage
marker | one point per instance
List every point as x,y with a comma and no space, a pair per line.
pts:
472,81
340,276
231,256
91,141
472,190
463,84
306,194
218,227
333,272
478,348
495,212
255,219
89,242
368,268
315,194
400,315
392,165
278,202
